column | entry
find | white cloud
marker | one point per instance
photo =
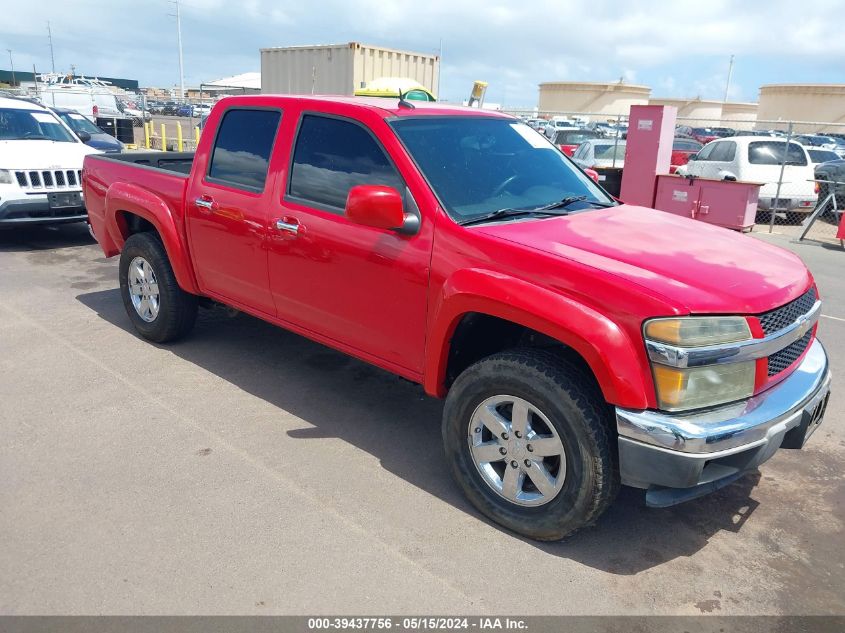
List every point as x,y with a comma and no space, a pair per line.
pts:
679,48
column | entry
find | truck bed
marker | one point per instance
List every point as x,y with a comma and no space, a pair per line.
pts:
163,175
179,162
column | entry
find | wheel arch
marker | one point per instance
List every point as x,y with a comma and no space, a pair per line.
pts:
132,209
484,304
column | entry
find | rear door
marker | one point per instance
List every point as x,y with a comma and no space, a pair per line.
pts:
228,209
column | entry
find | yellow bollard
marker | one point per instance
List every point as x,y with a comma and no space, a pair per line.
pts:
179,145
196,137
147,129
163,138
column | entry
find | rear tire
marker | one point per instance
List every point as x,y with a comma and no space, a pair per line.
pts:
563,403
158,308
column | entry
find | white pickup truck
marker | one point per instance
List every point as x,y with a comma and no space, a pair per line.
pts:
40,166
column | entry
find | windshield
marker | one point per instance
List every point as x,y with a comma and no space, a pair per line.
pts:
16,124
573,138
771,153
79,123
477,165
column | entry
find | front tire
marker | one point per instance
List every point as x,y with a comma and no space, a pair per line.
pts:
158,308
529,439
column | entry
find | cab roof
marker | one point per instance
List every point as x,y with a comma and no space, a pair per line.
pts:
383,106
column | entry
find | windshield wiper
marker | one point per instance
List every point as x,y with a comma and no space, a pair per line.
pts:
506,213
569,200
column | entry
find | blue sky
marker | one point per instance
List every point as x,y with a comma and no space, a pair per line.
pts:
680,49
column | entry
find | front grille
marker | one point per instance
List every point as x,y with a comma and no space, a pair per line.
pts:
785,316
52,179
779,361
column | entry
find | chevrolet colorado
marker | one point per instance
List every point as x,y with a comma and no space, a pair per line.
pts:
580,344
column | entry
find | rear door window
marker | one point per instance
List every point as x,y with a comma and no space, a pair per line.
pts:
241,154
333,155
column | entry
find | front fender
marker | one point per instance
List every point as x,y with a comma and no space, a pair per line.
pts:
122,198
606,347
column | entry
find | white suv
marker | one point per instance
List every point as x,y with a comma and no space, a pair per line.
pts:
758,159
40,166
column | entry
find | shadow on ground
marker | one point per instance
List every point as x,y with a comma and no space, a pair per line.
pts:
20,239
393,420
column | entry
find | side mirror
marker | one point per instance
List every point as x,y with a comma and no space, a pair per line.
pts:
83,136
380,207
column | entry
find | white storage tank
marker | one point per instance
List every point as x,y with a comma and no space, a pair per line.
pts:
341,68
591,97
697,112
802,102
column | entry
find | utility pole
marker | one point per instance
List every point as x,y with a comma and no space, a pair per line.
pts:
181,64
50,39
12,64
728,82
72,71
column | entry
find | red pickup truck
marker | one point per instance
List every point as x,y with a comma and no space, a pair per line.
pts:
580,344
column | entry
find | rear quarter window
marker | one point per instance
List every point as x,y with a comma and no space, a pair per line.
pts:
771,153
242,149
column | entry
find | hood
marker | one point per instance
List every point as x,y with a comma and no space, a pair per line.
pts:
698,268
38,154
105,142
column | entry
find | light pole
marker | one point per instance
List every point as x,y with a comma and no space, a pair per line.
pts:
12,64
179,41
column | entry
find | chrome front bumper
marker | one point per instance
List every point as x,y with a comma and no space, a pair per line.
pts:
701,451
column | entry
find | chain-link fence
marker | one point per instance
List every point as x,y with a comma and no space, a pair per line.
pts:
802,186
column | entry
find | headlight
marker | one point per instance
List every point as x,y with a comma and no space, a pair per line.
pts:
697,387
683,388
698,331
5,177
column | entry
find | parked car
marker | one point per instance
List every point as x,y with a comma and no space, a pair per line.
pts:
834,173
600,153
818,155
537,124
40,166
703,134
579,344
200,110
89,133
170,108
185,109
557,123
568,139
755,159
138,116
89,100
823,142
723,132
682,148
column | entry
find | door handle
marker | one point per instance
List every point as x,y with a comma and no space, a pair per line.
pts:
291,226
206,203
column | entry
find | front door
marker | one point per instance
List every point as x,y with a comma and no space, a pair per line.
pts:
360,286
228,210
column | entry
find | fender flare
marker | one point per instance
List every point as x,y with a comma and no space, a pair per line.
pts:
124,197
605,347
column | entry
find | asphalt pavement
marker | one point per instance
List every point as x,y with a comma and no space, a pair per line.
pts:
247,470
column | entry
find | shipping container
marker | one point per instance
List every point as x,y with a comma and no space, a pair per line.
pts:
341,68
